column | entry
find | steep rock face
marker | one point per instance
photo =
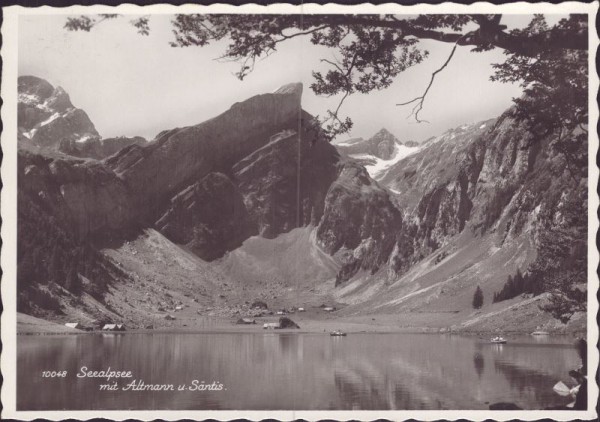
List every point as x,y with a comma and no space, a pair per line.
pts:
510,157
280,192
46,116
263,196
360,223
98,148
438,163
489,177
179,156
208,216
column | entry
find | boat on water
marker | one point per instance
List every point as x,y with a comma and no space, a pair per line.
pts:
337,333
498,340
540,333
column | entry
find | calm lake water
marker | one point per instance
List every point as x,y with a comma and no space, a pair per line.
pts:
295,371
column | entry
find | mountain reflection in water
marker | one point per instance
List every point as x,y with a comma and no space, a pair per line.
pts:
295,371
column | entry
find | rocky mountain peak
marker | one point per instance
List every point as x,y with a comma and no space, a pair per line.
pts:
48,121
60,100
385,134
32,85
179,157
381,145
46,117
291,88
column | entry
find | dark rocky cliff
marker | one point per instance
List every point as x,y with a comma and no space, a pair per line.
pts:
491,177
360,223
208,216
284,183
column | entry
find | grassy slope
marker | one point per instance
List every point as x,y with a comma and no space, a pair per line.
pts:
439,295
27,324
291,271
284,272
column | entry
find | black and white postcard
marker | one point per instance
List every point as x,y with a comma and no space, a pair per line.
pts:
300,212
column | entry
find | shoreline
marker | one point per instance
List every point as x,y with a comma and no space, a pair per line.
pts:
307,326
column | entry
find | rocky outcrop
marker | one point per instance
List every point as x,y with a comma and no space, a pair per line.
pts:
285,182
490,177
276,188
98,148
46,117
208,216
360,223
435,188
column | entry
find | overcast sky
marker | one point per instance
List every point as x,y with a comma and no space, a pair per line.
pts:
138,85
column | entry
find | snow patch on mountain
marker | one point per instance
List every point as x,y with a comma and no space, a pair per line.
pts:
30,134
379,169
348,142
50,119
28,98
84,138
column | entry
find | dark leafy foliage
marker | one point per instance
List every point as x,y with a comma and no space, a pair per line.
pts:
370,51
555,83
560,267
562,255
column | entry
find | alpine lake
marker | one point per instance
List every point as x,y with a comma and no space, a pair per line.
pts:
300,371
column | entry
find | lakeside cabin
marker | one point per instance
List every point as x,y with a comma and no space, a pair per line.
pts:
113,327
270,326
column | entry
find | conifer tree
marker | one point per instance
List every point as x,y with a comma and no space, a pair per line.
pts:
478,298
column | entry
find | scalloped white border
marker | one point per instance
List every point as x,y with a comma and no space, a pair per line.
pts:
8,204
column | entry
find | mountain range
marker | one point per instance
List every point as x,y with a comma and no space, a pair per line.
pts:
254,204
